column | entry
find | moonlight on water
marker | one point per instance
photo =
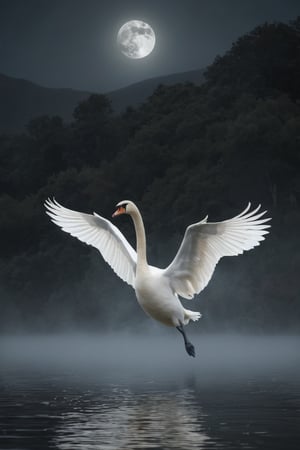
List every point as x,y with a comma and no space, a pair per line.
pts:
136,39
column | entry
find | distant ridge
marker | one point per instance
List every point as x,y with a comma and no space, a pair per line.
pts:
22,100
136,93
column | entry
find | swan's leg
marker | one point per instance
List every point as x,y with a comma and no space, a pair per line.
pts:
188,345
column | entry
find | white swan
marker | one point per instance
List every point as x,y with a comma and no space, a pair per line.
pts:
156,289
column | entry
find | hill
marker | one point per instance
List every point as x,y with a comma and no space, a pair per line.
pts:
21,100
137,93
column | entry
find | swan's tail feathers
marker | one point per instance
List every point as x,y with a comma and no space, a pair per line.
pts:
191,315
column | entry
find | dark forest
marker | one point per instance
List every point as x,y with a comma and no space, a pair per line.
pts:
187,151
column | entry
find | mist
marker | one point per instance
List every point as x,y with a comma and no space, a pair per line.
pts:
136,358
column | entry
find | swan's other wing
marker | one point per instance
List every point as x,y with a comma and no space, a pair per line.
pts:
205,243
100,233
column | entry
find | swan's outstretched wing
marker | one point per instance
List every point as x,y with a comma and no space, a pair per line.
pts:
205,243
100,233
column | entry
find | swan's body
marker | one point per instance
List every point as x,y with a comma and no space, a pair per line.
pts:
157,289
158,300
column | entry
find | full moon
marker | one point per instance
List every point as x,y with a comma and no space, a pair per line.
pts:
136,39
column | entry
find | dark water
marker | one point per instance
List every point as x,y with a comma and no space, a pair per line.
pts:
141,393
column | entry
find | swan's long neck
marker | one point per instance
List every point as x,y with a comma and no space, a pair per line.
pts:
140,239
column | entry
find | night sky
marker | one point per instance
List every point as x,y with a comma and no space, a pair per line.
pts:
72,43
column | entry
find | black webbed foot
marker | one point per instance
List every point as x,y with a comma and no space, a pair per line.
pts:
188,345
190,349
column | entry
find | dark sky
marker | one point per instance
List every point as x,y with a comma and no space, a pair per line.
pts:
72,43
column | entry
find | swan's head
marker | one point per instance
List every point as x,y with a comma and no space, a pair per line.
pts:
124,207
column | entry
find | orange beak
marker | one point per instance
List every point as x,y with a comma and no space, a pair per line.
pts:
120,210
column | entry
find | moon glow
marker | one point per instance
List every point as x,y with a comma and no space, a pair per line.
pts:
136,39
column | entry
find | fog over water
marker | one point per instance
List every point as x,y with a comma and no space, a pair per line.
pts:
114,355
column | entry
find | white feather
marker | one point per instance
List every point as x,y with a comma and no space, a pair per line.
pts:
101,234
205,243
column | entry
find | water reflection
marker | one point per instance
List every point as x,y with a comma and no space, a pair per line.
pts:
131,420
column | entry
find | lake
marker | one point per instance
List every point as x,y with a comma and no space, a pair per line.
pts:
144,392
